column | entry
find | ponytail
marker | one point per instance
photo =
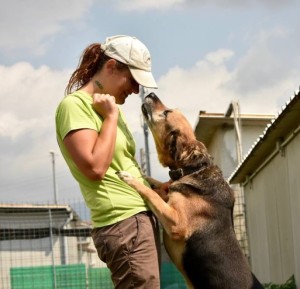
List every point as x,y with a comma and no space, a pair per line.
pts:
91,60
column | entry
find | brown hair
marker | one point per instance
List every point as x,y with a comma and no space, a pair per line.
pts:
90,62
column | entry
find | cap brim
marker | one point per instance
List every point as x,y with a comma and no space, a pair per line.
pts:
142,77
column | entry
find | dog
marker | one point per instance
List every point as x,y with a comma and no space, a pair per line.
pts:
196,215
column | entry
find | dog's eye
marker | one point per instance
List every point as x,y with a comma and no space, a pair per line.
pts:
166,112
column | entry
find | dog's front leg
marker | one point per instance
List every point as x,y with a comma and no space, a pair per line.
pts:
167,215
160,188
155,184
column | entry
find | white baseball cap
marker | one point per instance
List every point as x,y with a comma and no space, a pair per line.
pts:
134,53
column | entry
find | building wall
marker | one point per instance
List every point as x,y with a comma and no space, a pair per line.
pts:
223,146
224,151
273,217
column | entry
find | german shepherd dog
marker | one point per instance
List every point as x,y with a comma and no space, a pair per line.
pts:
197,214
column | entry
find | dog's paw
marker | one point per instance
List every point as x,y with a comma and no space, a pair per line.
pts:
125,176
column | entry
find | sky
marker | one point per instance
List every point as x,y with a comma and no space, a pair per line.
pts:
205,54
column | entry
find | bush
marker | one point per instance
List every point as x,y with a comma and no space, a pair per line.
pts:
289,284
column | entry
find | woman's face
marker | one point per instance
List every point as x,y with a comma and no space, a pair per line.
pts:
122,84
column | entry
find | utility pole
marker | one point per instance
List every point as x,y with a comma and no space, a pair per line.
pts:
54,176
234,108
238,129
146,130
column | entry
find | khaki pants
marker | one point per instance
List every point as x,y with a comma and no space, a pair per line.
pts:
131,250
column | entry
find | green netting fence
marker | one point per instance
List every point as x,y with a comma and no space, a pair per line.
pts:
77,276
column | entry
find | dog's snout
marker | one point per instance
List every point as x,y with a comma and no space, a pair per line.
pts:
151,98
154,101
152,95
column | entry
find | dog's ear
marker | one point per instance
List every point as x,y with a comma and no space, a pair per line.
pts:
186,152
176,144
200,154
173,144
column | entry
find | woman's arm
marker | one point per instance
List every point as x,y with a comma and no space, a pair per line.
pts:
91,151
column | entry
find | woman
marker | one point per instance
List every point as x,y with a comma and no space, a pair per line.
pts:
95,142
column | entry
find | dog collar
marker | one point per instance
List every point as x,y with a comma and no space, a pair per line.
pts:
181,172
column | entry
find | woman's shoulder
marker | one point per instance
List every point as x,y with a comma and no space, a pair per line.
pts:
75,99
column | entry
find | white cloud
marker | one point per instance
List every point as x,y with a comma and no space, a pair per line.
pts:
27,129
30,24
12,127
219,57
134,5
202,87
148,4
260,81
268,72
30,93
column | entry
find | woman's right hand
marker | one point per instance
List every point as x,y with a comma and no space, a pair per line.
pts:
105,105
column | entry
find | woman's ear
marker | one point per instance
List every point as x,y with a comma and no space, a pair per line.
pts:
110,65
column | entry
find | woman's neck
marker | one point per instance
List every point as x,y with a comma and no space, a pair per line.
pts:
91,87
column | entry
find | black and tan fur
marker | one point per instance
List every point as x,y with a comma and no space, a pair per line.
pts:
197,217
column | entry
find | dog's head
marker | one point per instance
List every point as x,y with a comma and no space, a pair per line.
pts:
174,137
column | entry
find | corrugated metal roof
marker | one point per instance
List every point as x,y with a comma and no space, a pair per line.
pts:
29,221
283,125
34,208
